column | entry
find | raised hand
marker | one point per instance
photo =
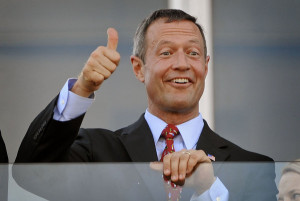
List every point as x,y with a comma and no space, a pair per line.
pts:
100,65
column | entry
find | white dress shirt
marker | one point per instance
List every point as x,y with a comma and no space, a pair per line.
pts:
189,133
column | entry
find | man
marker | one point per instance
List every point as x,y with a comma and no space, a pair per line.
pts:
170,58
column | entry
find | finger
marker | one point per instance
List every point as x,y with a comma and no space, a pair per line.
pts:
174,166
93,65
100,63
112,55
167,165
112,38
97,78
103,72
183,166
92,77
196,158
101,52
157,166
107,63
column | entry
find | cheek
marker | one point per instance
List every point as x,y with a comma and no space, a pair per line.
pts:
154,72
201,71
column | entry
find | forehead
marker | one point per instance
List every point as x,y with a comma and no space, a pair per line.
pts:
288,182
162,30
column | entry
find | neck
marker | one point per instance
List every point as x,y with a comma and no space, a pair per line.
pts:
174,117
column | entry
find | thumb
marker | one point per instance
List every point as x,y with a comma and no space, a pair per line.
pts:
157,166
112,38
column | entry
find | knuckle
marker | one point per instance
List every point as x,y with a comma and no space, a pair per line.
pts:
183,150
94,54
101,77
167,157
107,75
175,155
85,72
113,67
194,157
184,156
100,49
89,63
201,152
98,79
192,160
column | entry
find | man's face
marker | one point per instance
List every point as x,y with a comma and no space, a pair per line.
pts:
175,67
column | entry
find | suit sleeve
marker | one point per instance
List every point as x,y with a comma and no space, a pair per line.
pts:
48,140
3,152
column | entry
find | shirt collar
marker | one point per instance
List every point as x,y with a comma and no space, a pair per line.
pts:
190,131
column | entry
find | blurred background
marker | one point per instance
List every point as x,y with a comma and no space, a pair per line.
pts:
256,57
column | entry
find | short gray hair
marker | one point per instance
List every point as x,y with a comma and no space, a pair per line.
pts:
171,15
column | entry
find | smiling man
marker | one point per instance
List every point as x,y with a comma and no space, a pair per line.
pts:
170,59
173,70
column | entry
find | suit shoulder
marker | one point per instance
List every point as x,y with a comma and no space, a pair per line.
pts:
97,132
240,154
237,153
139,125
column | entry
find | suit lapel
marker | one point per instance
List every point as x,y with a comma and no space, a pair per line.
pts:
138,140
213,144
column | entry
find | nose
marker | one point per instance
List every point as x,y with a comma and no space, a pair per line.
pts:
181,61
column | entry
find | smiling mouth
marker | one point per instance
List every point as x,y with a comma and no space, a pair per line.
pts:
181,80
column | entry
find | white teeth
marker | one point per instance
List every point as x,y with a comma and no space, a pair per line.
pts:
180,80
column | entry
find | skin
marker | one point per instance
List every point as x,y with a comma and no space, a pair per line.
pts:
174,51
194,170
101,64
289,187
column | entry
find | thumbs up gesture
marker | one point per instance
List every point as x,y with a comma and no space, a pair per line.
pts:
101,64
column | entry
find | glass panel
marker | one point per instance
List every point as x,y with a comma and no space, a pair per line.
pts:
140,181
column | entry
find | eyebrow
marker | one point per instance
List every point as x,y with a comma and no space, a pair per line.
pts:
163,42
195,41
294,191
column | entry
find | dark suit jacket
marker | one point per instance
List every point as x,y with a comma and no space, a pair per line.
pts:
3,153
48,140
3,170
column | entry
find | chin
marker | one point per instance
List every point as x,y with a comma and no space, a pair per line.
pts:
182,107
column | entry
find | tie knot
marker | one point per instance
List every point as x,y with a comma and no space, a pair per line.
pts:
170,131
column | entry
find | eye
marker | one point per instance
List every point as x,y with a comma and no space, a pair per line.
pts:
193,53
165,53
296,196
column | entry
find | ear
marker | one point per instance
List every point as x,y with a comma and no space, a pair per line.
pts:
138,68
206,64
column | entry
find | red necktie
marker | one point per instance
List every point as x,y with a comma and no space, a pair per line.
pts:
169,133
173,191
